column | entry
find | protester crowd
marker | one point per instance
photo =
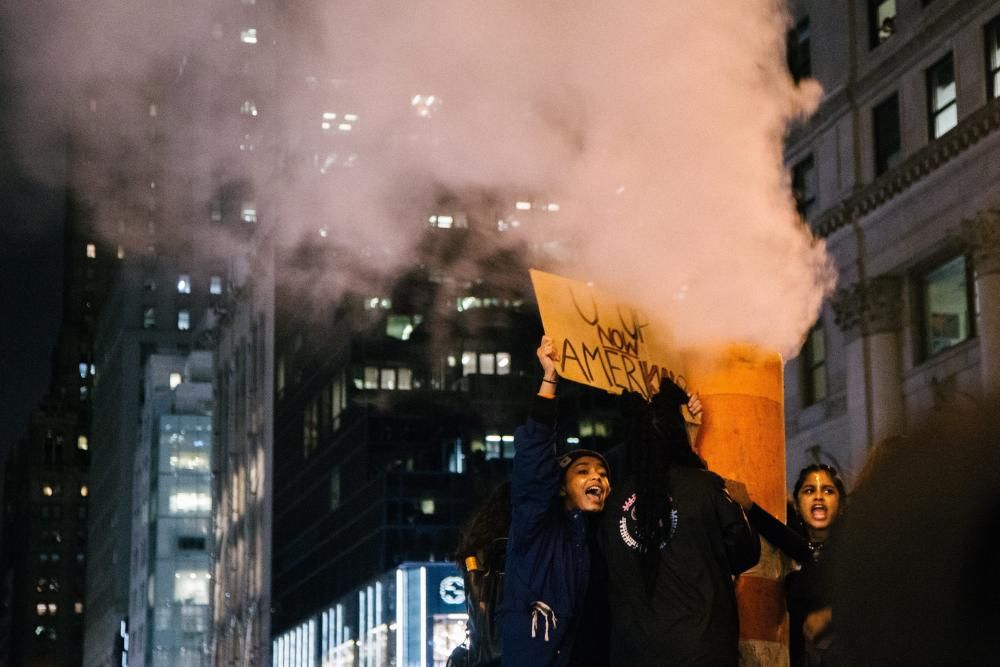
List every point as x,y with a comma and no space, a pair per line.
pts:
576,562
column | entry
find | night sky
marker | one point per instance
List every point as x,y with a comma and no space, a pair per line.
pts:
31,204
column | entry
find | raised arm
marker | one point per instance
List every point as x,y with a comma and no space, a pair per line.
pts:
770,528
536,475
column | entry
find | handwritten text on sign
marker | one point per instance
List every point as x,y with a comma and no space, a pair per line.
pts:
602,343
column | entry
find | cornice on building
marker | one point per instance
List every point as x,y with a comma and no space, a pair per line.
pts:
912,170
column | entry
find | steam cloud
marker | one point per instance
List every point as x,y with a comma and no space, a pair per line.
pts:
656,129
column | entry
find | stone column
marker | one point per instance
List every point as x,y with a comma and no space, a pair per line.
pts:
870,315
981,235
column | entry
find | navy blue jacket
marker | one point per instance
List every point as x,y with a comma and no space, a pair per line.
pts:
547,554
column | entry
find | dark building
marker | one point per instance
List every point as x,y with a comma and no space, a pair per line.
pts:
47,490
395,412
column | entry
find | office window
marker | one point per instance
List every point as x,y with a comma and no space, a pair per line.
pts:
184,284
248,36
149,318
941,103
91,251
183,320
174,380
503,363
215,285
387,378
404,379
804,185
798,51
946,304
888,143
248,212
881,21
992,41
82,443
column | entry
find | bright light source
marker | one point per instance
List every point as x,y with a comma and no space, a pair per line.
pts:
350,117
249,36
523,206
329,115
573,441
345,127
553,207
325,125
493,438
175,379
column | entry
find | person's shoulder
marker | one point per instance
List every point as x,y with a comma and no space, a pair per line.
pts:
699,477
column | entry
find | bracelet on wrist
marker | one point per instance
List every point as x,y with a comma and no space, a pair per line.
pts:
550,381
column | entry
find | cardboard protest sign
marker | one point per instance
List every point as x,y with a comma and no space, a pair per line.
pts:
602,342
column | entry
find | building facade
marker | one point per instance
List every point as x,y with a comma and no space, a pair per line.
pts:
897,172
171,570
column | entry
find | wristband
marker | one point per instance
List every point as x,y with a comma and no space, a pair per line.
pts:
550,381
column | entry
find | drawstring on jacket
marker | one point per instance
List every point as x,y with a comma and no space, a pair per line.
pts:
539,608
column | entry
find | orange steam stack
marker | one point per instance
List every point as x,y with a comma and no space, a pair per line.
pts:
742,436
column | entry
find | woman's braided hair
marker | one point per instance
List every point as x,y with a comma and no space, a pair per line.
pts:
656,440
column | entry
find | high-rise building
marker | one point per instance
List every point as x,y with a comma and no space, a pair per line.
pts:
47,491
171,514
897,172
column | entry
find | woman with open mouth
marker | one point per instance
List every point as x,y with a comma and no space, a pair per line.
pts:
818,497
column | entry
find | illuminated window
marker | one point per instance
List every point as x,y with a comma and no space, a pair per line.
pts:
404,379
82,443
375,302
941,100
468,363
183,502
149,318
91,251
992,42
191,586
946,306
371,377
121,252
77,607
387,379
248,212
215,285
248,108
175,379
401,326
487,364
84,491
427,506
881,21
183,320
503,363
48,491
425,106
814,366
184,284
248,36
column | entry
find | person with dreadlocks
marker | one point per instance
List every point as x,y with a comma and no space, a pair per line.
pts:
673,540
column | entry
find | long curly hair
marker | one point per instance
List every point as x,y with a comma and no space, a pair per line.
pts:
656,441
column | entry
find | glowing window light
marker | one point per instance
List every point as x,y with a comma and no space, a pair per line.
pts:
523,206
248,36
183,502
329,115
351,117
175,379
91,251
345,127
553,207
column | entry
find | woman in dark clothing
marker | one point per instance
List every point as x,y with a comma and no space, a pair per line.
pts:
481,560
673,539
548,558
818,497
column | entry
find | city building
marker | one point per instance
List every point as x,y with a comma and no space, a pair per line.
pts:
168,618
897,172
413,615
46,494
